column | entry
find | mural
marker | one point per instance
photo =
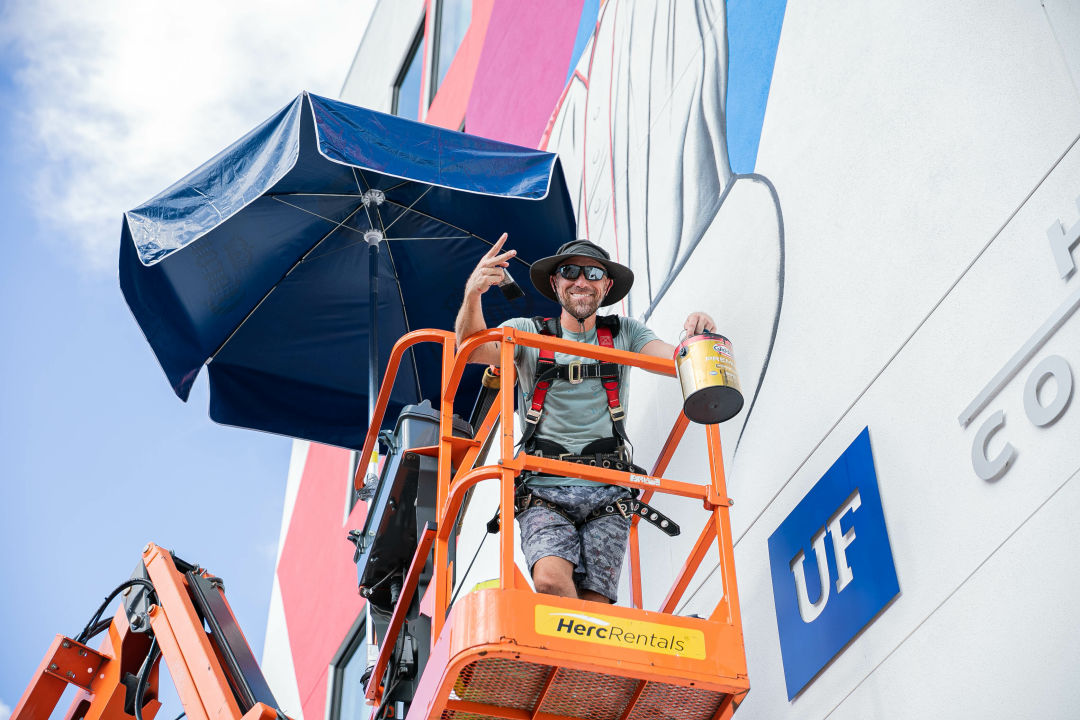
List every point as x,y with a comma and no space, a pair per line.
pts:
642,130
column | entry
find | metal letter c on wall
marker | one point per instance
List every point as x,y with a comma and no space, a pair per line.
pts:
985,467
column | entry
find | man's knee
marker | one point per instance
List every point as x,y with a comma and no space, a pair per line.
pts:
554,575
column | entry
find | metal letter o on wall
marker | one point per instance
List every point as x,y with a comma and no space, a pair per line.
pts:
1053,366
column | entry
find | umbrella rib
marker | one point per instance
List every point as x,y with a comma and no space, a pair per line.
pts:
300,194
405,208
358,176
382,225
397,240
275,285
430,217
411,206
405,315
433,237
209,201
524,262
400,184
341,224
357,194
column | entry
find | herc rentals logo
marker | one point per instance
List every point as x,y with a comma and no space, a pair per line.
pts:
620,632
832,566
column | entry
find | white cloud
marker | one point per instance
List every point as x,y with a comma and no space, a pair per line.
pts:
5,711
121,98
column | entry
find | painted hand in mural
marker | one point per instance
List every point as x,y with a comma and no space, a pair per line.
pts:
642,133
646,124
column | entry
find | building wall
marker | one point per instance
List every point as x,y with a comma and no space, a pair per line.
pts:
314,602
860,194
387,39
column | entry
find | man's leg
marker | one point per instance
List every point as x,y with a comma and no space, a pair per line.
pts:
552,549
567,562
594,596
555,576
603,547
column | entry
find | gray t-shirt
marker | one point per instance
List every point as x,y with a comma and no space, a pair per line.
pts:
574,415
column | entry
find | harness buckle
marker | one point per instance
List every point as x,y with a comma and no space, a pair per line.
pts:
621,509
532,415
574,373
522,501
617,413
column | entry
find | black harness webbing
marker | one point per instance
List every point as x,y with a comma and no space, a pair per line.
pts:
627,507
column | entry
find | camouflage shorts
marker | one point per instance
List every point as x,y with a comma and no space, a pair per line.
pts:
596,550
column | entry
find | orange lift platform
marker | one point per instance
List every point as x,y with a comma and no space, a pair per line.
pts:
509,653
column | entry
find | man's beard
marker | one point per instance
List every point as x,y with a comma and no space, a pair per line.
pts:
579,306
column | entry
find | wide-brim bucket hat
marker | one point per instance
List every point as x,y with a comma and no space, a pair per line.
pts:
544,268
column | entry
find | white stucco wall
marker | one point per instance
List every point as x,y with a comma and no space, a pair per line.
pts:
920,151
381,53
277,659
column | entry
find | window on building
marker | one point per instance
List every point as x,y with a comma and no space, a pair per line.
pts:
452,18
347,670
406,102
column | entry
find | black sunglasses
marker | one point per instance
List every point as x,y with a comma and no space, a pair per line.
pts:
571,272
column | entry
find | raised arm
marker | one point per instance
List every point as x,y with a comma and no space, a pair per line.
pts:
696,323
470,318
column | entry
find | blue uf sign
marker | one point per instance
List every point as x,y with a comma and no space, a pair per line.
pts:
832,567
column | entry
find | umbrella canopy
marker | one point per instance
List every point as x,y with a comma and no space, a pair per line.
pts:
259,264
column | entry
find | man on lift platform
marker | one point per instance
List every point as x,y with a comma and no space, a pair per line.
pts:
573,531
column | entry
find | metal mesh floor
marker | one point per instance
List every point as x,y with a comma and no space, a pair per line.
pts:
572,693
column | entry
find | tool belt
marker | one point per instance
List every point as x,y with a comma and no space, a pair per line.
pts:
607,453
628,507
617,460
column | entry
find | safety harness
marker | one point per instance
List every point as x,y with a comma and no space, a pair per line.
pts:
547,371
607,452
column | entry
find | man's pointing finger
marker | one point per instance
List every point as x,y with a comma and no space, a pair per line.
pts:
497,246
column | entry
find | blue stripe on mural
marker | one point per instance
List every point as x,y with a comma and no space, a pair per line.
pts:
590,10
753,29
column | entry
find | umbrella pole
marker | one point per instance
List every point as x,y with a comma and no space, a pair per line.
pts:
373,334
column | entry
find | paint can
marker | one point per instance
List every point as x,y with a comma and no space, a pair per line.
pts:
710,385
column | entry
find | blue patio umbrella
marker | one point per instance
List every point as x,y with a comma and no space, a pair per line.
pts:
291,262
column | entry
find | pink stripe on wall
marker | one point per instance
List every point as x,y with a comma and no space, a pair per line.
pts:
522,69
316,572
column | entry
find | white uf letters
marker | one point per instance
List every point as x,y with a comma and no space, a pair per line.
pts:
809,611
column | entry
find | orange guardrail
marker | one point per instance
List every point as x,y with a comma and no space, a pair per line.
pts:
508,614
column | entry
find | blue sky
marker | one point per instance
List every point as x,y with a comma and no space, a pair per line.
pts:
105,105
